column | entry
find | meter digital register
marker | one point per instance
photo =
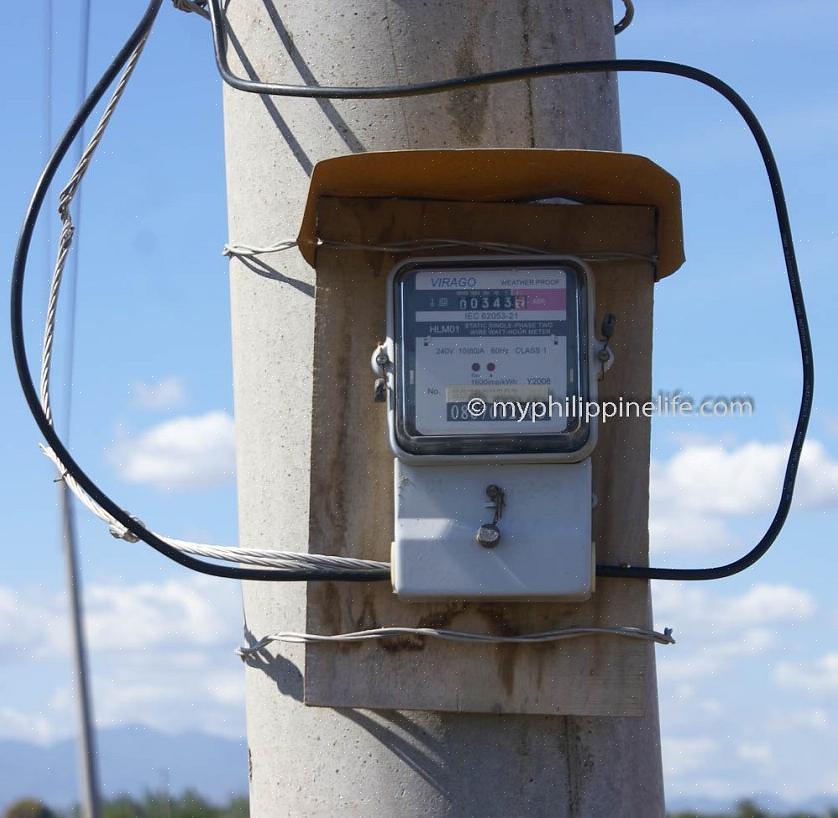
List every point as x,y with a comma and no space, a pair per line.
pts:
486,371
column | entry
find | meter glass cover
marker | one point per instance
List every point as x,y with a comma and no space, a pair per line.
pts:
491,356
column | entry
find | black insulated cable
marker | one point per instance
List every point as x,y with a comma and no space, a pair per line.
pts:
599,67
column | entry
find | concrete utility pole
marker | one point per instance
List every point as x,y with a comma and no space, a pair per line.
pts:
316,762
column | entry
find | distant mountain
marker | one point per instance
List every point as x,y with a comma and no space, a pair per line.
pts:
135,760
132,760
814,806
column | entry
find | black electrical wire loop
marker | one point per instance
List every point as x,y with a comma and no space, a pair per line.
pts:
389,92
605,66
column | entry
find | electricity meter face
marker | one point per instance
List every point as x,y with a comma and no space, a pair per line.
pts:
491,356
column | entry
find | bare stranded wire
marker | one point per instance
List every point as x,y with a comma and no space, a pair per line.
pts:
217,20
665,638
551,69
270,559
242,250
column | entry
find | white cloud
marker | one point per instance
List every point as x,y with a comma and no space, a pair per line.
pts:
696,492
829,783
830,421
820,676
689,702
684,755
817,485
710,479
29,625
177,614
167,393
183,453
713,631
31,727
173,699
730,723
149,615
710,656
806,719
755,752
687,532
768,604
162,655
760,605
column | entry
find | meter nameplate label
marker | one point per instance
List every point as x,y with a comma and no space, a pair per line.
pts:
494,403
460,394
488,345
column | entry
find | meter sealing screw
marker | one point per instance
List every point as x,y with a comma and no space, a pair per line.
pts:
605,354
380,390
380,361
488,535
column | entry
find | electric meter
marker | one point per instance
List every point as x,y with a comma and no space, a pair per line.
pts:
487,372
491,358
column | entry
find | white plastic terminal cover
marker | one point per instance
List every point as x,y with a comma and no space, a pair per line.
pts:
544,549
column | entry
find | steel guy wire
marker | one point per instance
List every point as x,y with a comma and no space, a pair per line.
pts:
268,558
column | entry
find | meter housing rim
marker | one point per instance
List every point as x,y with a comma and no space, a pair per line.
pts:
587,345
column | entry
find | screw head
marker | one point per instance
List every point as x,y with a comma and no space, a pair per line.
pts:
488,535
380,390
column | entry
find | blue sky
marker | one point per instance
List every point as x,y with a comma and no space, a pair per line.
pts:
749,696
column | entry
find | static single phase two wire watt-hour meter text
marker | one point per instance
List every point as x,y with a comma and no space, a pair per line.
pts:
493,477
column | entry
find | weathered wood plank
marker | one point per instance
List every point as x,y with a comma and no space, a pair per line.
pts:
351,463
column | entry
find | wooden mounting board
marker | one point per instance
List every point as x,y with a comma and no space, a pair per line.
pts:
351,498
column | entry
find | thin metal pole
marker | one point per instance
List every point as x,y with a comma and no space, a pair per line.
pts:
88,766
73,261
